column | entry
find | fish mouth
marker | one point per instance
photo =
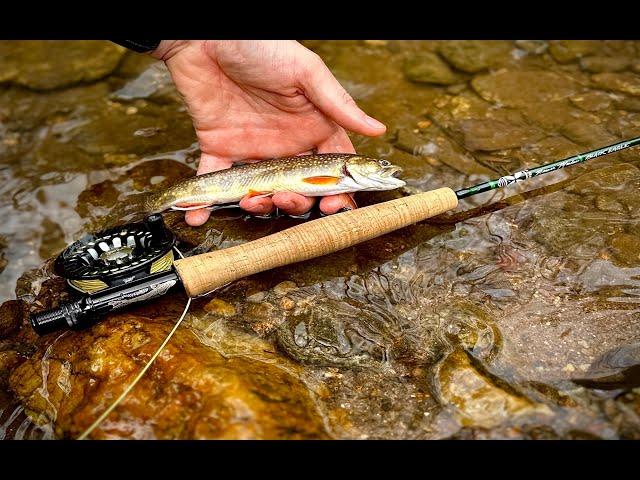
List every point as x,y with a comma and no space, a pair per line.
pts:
384,179
391,171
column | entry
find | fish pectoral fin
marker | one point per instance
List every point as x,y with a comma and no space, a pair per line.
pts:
184,206
257,194
322,180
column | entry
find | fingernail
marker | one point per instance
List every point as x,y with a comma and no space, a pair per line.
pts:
372,122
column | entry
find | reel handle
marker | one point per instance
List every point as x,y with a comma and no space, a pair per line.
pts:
203,273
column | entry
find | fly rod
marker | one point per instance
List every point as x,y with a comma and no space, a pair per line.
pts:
132,263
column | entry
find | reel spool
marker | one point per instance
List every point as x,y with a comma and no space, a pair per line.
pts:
117,256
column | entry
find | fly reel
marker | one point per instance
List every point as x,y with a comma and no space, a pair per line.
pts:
117,256
110,270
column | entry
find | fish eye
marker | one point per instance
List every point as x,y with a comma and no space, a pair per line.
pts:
384,163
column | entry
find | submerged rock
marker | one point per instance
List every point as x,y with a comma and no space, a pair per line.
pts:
191,391
477,399
438,147
566,51
592,101
155,82
12,315
429,68
616,369
572,225
625,248
618,82
604,64
473,56
534,47
492,135
57,63
522,88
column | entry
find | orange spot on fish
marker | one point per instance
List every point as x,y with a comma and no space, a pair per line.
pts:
192,205
321,180
255,193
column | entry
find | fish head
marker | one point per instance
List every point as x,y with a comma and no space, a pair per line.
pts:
373,174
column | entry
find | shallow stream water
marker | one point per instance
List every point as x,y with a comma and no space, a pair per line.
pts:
515,316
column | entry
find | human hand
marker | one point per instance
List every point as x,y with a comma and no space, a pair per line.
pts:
263,99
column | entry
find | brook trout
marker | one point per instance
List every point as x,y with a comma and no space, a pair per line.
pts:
309,175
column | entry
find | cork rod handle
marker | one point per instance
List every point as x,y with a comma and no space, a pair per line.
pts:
203,273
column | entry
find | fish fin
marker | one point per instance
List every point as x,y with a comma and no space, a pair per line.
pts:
322,180
256,194
184,206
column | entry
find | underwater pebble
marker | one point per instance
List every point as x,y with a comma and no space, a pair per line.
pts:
287,304
429,68
284,287
256,297
220,307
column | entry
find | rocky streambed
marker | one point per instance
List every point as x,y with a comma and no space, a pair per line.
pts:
515,316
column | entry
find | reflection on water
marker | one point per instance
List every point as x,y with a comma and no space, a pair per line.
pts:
516,316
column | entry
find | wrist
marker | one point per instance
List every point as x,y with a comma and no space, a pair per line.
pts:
168,48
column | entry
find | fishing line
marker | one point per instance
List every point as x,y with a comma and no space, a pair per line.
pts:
118,400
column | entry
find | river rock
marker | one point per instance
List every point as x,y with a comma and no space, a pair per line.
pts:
533,47
625,248
490,135
604,64
566,51
12,314
429,68
437,146
592,101
154,82
478,401
190,392
220,307
630,104
521,88
472,56
53,64
618,82
571,226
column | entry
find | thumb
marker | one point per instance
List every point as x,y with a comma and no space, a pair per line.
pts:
326,93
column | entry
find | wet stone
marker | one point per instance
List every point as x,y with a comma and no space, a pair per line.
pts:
625,248
191,391
533,47
617,369
437,147
618,82
604,64
478,401
429,68
521,88
473,56
592,101
220,307
155,83
492,135
13,313
566,51
284,287
570,225
57,63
